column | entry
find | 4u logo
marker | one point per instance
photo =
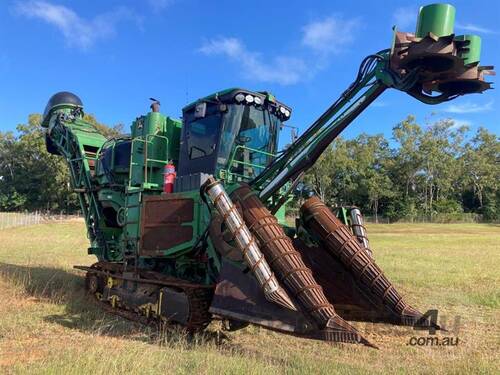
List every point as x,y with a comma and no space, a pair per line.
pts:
429,322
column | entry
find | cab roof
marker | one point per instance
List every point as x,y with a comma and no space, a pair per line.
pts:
227,96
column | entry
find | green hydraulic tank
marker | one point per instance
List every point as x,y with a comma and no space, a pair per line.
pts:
438,19
472,54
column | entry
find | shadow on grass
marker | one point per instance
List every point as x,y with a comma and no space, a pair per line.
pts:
60,287
83,313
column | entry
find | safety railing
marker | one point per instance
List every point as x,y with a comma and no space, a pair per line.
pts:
147,162
234,163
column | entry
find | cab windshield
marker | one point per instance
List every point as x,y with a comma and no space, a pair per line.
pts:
248,141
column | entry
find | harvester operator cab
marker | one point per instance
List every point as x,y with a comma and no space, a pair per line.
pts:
231,134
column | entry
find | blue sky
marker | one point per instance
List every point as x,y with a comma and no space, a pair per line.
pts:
117,54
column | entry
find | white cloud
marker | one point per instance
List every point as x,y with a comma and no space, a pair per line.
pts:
330,34
159,5
228,46
282,69
474,28
321,38
458,123
405,18
469,107
77,31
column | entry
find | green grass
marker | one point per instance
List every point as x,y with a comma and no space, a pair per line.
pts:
48,325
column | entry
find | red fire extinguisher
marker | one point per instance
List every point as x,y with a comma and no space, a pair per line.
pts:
169,175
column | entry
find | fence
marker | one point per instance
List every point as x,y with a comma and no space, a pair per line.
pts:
20,219
437,218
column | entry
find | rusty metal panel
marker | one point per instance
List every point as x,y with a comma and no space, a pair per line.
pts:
282,256
291,270
239,296
340,243
247,244
165,222
340,287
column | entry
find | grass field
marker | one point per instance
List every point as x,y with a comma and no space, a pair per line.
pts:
48,324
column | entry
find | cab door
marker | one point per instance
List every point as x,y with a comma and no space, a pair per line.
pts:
200,139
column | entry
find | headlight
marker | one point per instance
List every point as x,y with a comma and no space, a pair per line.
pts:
282,110
287,113
249,98
239,98
258,100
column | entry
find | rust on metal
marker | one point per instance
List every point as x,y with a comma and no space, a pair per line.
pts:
338,241
286,261
146,277
166,222
198,296
247,244
221,238
431,54
340,286
469,81
441,68
239,296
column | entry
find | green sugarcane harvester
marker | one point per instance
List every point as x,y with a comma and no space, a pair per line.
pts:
215,243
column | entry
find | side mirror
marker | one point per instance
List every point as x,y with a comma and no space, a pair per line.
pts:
201,110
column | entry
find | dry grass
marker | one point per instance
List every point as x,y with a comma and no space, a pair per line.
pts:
48,325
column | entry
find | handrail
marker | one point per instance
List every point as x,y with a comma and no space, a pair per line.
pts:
146,159
233,161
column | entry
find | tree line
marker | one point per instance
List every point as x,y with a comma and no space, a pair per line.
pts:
31,179
439,170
